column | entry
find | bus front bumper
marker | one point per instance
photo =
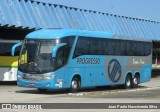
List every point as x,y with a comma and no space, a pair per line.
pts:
45,84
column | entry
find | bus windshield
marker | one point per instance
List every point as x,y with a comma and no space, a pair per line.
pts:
36,56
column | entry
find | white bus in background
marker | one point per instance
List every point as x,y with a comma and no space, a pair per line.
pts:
8,63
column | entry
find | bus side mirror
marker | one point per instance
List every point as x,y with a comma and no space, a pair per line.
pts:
55,48
14,47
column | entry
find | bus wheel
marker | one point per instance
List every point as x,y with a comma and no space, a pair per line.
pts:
42,90
128,82
135,82
74,85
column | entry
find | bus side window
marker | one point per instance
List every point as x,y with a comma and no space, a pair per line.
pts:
60,57
147,49
131,48
110,47
122,47
82,47
104,47
17,51
117,45
95,46
7,47
140,49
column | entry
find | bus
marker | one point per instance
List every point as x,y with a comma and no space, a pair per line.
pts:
8,63
73,59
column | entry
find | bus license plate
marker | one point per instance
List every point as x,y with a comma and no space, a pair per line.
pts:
31,84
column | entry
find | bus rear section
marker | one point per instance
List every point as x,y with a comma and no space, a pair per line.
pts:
8,63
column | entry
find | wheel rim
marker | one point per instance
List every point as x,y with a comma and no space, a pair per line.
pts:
128,82
74,84
135,80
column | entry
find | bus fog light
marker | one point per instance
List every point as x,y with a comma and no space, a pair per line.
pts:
19,76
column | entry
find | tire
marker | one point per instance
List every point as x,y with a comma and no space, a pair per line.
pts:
75,85
135,82
42,90
128,82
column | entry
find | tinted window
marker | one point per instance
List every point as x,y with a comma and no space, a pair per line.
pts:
116,48
110,47
113,47
95,46
63,52
122,47
104,46
101,46
147,49
68,40
140,49
5,49
82,47
131,48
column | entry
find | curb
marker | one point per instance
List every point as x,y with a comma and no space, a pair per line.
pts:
94,93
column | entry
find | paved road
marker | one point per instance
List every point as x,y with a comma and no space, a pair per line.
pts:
146,93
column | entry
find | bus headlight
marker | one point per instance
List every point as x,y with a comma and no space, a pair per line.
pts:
19,76
48,76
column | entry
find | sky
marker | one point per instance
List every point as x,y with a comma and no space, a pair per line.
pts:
144,9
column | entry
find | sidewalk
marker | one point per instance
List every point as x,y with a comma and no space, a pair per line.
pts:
155,82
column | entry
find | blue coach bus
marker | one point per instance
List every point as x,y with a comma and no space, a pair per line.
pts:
74,59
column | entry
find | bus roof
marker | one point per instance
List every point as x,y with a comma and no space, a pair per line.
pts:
59,33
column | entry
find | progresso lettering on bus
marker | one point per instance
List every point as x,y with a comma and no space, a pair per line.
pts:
88,60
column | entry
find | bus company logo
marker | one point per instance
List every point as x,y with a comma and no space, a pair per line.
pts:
114,70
